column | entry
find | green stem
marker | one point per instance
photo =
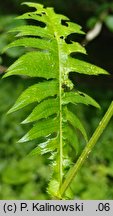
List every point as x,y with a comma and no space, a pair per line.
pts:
99,130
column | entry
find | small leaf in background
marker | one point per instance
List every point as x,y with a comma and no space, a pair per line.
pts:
7,22
92,22
109,22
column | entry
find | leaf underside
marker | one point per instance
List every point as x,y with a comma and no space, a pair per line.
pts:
48,56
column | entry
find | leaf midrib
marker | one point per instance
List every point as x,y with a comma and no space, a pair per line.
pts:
60,102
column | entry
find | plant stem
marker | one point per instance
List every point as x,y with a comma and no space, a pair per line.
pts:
96,135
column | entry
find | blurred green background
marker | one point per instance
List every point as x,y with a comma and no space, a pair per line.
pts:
26,177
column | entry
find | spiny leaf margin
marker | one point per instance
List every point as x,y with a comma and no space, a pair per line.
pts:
55,65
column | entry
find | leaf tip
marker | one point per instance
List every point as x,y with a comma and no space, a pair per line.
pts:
25,121
23,139
9,112
24,3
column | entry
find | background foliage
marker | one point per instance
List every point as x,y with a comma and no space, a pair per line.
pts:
25,177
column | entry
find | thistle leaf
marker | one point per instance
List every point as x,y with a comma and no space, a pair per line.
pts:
29,65
53,189
31,42
75,122
79,66
35,93
43,148
40,129
45,109
79,97
30,30
49,56
70,136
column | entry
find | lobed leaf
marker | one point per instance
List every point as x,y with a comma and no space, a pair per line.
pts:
43,110
30,30
75,122
29,65
78,97
41,129
79,66
49,56
36,43
70,136
73,48
34,16
35,93
48,146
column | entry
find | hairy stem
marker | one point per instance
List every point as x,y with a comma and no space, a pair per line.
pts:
99,130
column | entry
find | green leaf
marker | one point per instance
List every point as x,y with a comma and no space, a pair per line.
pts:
48,146
69,134
41,129
79,66
75,122
31,42
73,47
34,5
29,64
35,93
78,97
53,189
49,56
109,22
30,30
92,22
43,110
